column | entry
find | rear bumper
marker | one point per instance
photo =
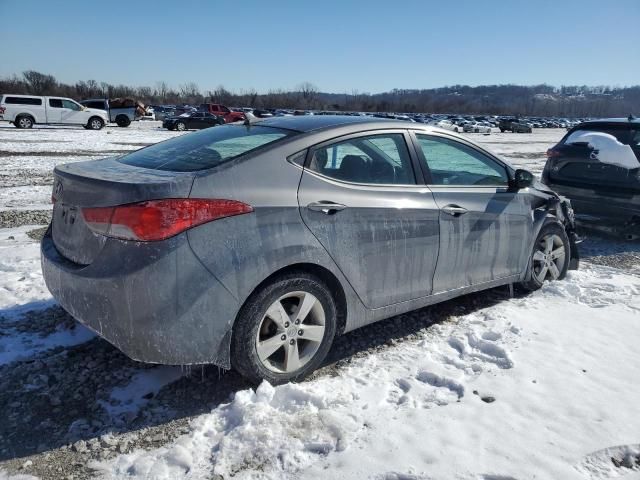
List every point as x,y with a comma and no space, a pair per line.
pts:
153,301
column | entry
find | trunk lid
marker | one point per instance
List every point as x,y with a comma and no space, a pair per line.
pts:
103,183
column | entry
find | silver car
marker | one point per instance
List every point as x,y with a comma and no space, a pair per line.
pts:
253,246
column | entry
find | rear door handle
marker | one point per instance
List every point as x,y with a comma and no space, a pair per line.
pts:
454,210
328,208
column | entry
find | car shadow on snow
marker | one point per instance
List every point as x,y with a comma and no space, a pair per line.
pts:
69,397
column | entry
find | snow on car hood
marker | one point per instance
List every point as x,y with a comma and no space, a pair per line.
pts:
609,149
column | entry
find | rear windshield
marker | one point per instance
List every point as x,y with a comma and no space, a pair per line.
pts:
620,132
205,149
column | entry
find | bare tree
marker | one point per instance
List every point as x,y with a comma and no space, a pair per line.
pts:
309,92
39,83
162,89
190,89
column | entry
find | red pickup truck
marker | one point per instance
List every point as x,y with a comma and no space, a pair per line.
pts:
222,111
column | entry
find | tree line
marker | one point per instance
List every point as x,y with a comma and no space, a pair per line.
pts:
537,100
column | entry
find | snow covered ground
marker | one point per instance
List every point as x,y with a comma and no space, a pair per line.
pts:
483,387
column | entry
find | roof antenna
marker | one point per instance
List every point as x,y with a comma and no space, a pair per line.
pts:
631,117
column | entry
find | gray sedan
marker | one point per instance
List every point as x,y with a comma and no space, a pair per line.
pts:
253,246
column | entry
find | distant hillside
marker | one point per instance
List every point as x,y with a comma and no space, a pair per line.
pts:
538,100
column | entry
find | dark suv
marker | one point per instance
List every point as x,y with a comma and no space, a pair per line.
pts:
514,125
597,166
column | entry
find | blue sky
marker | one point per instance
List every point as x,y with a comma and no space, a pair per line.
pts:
340,46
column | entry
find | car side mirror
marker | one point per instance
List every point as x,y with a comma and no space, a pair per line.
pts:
522,179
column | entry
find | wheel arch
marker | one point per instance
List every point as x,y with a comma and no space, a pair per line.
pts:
324,274
25,114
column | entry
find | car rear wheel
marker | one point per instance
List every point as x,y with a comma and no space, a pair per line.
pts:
24,121
123,121
181,126
550,257
284,330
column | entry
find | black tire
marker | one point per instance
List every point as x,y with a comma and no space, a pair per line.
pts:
123,121
95,123
181,126
24,121
502,130
244,355
550,228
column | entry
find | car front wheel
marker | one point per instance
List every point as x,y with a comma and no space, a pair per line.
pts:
181,126
95,123
550,257
285,330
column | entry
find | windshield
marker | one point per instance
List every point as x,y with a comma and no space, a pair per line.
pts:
205,149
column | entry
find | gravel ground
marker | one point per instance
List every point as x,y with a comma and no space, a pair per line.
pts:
56,403
17,218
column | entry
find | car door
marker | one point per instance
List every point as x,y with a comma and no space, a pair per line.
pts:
210,120
72,113
54,110
195,120
485,227
359,196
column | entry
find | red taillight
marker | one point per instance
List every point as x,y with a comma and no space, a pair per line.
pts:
2,110
159,219
551,153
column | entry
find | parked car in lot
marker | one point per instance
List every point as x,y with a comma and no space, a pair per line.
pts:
597,165
24,111
192,121
226,113
476,127
149,114
514,125
254,246
448,125
120,111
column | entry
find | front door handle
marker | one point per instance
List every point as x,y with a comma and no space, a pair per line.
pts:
454,210
328,208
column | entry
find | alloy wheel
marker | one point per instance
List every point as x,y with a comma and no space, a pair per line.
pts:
291,332
548,258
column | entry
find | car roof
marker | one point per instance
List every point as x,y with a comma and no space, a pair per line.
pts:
600,121
309,123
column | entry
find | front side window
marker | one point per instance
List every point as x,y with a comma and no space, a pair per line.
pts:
204,149
70,105
378,159
454,163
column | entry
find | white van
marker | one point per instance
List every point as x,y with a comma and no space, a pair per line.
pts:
26,110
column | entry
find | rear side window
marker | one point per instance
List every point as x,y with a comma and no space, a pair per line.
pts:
376,159
205,149
23,100
97,105
55,103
